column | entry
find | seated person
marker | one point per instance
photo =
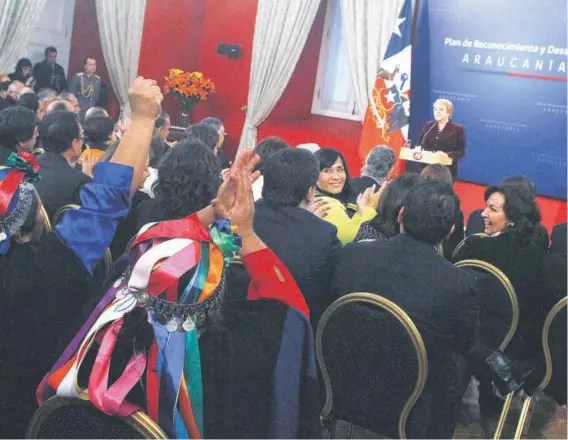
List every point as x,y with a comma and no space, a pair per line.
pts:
511,220
60,183
98,134
217,124
44,276
385,225
475,223
346,209
18,131
266,148
441,172
440,298
188,179
307,245
378,165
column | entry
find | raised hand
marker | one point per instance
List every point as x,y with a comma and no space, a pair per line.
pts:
145,98
227,196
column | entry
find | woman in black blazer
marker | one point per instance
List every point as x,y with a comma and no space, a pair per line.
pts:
511,219
442,134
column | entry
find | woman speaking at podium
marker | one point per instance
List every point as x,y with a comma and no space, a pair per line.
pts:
442,134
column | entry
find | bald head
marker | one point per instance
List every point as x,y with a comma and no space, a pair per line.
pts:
59,105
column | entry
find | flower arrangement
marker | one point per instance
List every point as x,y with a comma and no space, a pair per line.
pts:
188,87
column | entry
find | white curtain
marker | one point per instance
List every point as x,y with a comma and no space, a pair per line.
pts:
18,19
280,32
120,28
368,27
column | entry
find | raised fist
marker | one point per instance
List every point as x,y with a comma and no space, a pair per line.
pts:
145,98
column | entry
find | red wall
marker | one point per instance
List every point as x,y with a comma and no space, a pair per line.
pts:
170,39
185,33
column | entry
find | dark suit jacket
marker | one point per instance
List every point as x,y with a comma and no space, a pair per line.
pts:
475,225
307,245
60,184
450,140
48,78
558,239
440,298
522,262
360,184
453,240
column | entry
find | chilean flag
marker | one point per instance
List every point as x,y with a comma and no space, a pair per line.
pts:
387,117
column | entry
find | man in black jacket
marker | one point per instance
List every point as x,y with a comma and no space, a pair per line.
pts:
48,74
60,183
378,165
307,245
440,298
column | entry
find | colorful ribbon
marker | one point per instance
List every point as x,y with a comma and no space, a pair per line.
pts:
174,390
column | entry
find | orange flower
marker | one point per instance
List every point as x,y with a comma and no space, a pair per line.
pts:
188,84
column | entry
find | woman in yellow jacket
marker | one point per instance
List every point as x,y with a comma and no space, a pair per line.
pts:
336,202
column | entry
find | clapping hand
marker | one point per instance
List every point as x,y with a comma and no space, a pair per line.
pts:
370,197
234,199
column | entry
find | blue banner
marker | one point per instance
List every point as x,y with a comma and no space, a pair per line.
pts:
503,65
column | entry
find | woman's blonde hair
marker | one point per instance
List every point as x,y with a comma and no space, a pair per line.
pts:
446,103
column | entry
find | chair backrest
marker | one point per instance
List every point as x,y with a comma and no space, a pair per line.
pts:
461,243
59,213
373,362
65,417
554,344
499,305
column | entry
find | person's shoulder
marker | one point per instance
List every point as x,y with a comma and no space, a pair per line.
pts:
457,127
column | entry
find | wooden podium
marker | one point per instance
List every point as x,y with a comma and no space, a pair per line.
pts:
422,156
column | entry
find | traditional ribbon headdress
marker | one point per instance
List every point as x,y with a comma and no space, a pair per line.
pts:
16,194
174,315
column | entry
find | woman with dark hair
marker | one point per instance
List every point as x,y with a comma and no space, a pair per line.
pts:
23,72
98,134
345,209
188,180
511,218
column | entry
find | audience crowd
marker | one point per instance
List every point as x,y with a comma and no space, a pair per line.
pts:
77,186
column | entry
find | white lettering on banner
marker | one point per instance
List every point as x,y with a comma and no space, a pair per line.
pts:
515,63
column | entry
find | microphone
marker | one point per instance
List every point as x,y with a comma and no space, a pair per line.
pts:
425,134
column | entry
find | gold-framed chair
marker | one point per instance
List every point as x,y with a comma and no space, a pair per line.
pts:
514,304
69,417
528,404
59,213
47,220
415,345
461,243
107,257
